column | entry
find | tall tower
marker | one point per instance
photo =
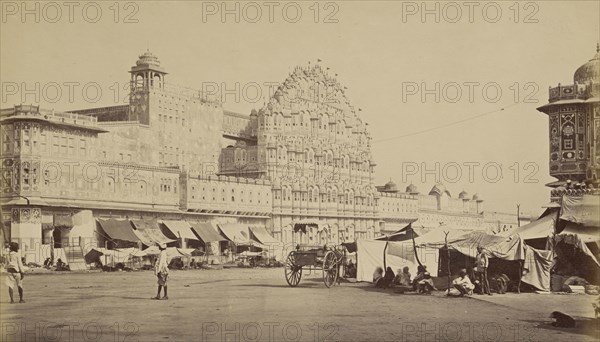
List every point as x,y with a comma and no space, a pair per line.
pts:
146,75
574,123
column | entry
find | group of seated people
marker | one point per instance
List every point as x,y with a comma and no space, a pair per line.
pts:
60,265
422,283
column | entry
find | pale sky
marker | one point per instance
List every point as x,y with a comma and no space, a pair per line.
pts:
381,51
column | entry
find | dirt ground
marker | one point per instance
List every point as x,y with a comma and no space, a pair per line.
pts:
258,305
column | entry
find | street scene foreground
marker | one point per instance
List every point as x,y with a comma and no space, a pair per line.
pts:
257,305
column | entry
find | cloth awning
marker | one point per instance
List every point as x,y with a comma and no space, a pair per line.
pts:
119,230
399,235
436,237
251,254
261,235
541,228
108,256
172,252
181,229
583,209
587,234
63,221
207,232
235,232
301,225
578,242
47,221
149,233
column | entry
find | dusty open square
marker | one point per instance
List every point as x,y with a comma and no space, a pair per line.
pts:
258,305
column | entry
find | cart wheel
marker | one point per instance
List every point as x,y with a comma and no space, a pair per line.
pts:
330,269
293,272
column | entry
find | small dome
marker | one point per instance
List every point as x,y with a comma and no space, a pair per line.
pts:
148,59
476,197
590,71
390,186
463,195
253,112
412,189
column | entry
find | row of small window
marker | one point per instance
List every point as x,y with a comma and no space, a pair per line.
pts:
232,199
166,185
169,119
325,198
171,102
241,198
126,157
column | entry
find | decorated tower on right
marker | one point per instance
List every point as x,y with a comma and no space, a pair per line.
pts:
574,129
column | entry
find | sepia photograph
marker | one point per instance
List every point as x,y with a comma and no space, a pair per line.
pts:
302,170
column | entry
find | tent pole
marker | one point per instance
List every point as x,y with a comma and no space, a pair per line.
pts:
448,257
553,244
384,252
412,235
520,276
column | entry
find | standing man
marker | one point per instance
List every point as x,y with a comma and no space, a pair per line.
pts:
481,265
15,271
161,270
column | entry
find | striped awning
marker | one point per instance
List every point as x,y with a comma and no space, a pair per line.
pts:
207,232
181,229
119,230
260,233
149,232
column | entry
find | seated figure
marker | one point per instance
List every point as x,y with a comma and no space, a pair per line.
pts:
463,284
425,285
377,276
388,278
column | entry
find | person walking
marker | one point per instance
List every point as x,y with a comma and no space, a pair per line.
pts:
15,271
161,270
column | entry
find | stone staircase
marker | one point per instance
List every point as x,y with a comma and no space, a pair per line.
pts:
75,259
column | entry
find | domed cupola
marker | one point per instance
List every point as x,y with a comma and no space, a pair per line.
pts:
590,71
412,189
390,187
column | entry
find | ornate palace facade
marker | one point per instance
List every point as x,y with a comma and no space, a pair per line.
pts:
304,156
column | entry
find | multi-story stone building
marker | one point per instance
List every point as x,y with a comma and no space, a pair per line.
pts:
426,211
304,156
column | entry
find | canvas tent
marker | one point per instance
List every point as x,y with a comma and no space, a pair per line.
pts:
584,210
398,254
575,237
540,228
